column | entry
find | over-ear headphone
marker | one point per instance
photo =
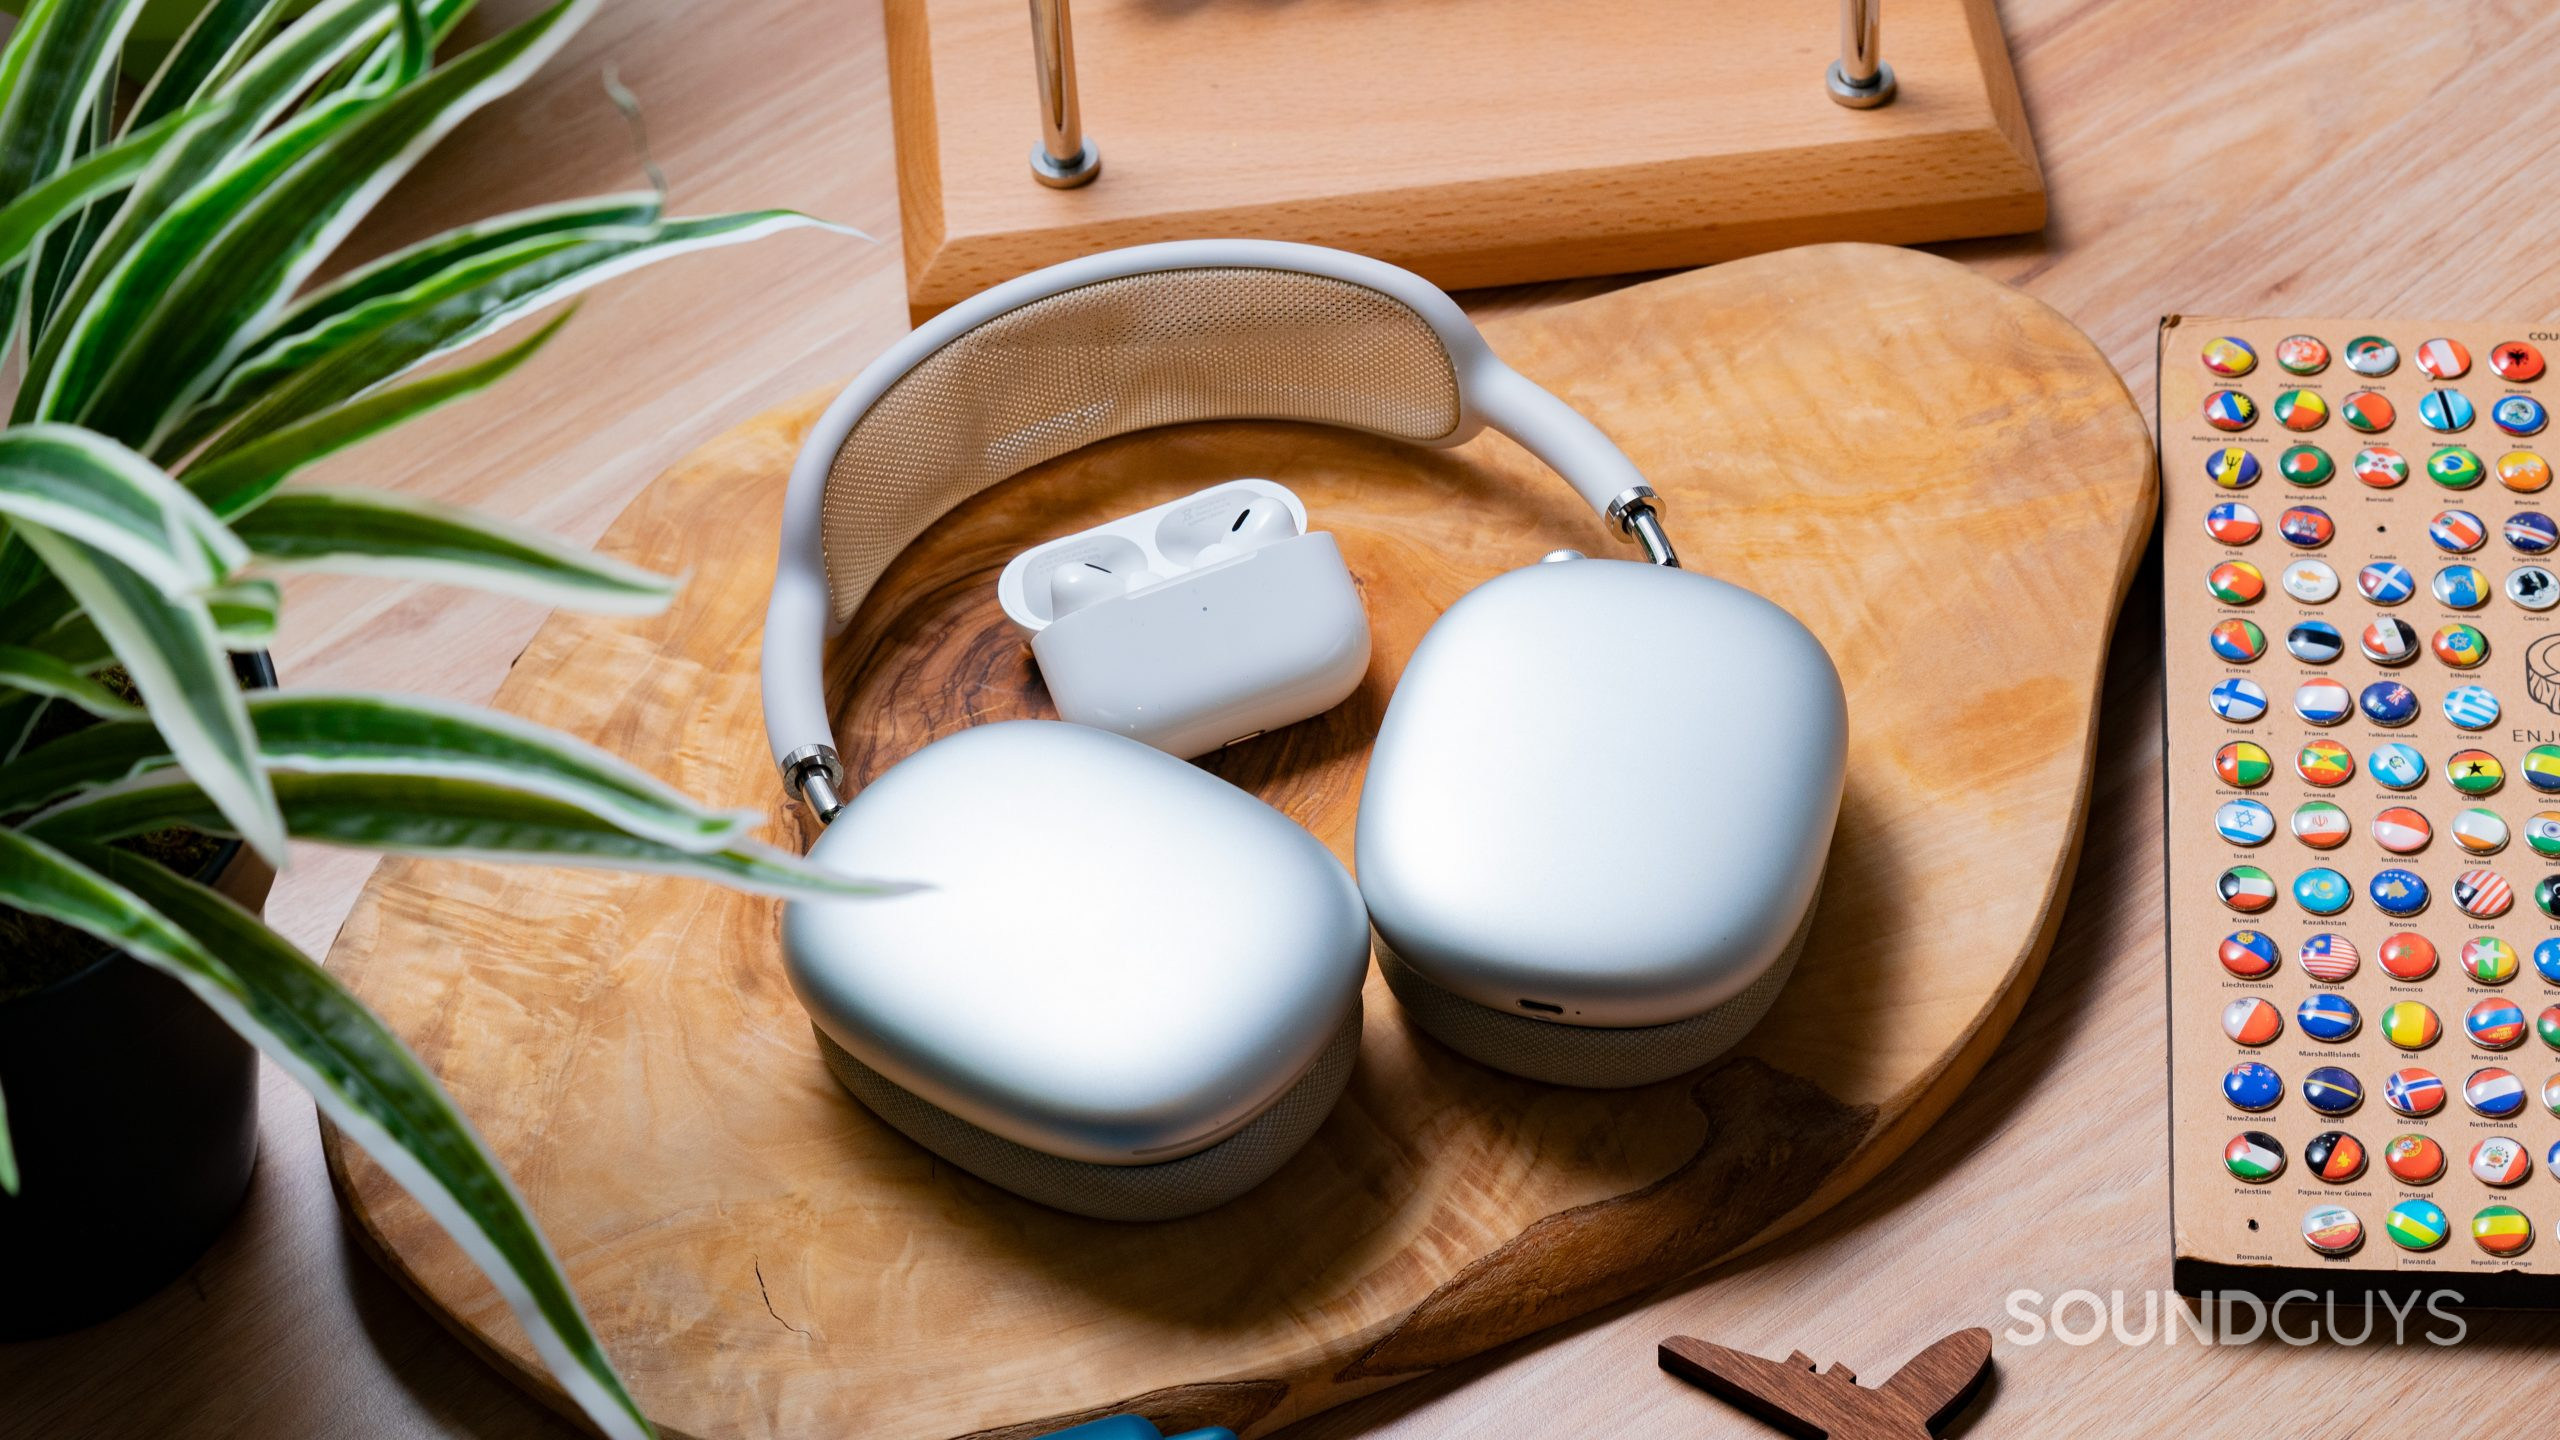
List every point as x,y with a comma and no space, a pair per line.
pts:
1576,865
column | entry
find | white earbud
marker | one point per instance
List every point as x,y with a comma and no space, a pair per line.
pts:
1073,587
1256,525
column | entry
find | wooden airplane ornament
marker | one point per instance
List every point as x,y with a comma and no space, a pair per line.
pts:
1830,1404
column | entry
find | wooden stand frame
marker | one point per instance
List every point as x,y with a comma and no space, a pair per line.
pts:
1479,142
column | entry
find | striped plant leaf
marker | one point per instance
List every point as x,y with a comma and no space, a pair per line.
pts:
185,197
224,34
33,672
322,365
170,649
242,478
404,269
364,1079
240,277
404,537
26,219
244,612
310,732
406,814
68,481
60,57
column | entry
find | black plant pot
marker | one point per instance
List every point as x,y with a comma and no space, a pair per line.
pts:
134,1112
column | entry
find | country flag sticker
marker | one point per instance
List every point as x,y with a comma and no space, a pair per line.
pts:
2369,411
2475,772
2301,410
2243,763
2308,466
2417,1094
2387,702
2480,831
2546,960
2401,830
2455,467
2397,766
2495,1024
2306,527
2323,701
2372,355
2412,1025
2500,1160
2414,1159
2386,582
2519,415
2251,1021
2379,466
2530,532
2417,1225
2445,411
2502,1230
2254,1156
2332,1229
2322,891
2248,954
2328,957
2489,960
2320,825
2471,707
2244,822
2230,410
2334,1156
2542,768
2523,471
2483,895
2236,582
2542,832
2493,1092
2307,355
2231,467
2398,892
2457,532
2242,701
2230,356
2325,763
2328,1017
2247,889
2413,957
2232,522
2443,359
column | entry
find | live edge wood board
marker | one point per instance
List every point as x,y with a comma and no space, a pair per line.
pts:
1941,476
1479,142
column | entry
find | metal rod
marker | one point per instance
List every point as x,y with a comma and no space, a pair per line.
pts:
1860,79
1065,156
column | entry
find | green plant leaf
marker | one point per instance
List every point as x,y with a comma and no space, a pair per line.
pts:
404,269
193,188
431,815
8,1152
364,1079
224,35
244,614
242,275
318,732
71,482
60,57
404,537
242,478
26,219
175,658
37,673
323,364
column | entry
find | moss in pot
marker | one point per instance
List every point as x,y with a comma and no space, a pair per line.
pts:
181,366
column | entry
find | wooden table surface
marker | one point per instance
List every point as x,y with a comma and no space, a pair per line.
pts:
2392,157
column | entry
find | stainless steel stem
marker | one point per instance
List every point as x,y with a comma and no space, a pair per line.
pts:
1860,79
1065,156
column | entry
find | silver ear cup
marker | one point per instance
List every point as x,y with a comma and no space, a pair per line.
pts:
1588,1056
1196,1182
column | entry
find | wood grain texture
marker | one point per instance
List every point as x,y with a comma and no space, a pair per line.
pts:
629,1046
1480,142
1915,1402
2275,159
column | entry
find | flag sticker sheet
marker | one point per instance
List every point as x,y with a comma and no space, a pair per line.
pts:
2361,608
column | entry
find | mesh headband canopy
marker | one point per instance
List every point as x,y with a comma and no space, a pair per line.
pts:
1112,357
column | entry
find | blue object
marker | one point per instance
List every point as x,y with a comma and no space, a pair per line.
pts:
1133,1427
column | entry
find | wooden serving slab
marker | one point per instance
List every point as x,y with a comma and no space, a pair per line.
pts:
1940,475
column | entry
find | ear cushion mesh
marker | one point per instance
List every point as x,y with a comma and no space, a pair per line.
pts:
1112,357
1196,1182
1582,1055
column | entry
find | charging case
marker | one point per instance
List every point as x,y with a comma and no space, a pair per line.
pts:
1127,989
1196,655
1596,818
